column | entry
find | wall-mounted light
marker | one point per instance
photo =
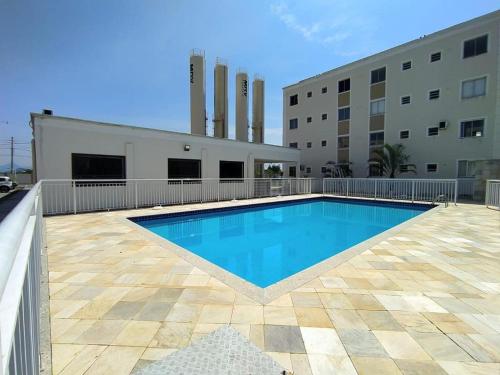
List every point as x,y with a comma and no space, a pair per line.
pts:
187,147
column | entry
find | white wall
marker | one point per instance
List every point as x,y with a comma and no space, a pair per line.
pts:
146,150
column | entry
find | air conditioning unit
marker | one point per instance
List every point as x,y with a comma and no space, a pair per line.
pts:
443,125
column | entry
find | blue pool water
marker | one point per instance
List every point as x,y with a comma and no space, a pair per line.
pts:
267,243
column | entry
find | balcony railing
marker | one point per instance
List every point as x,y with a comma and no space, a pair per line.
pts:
493,194
74,196
423,190
21,241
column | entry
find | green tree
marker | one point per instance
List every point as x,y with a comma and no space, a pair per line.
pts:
273,170
389,159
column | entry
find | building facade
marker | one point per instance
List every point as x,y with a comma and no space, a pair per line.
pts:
68,148
439,96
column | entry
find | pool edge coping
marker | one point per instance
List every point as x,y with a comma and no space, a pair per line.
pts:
274,291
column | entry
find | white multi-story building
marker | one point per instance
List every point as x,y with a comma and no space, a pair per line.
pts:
439,96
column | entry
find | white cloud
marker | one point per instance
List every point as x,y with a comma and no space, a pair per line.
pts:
290,20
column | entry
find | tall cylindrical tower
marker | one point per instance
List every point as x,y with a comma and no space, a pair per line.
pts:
197,92
258,110
220,100
242,106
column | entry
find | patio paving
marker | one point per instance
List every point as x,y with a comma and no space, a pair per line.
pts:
424,301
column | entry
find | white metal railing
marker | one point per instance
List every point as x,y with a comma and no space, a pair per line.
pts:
21,241
492,198
466,187
73,196
391,188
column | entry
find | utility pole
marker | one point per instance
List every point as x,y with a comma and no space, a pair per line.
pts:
11,156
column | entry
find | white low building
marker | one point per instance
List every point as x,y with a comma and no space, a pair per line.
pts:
69,148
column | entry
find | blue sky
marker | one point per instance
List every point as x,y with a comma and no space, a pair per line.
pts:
127,61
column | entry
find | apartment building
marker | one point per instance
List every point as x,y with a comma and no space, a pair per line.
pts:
439,96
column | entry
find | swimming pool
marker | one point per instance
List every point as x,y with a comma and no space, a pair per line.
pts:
266,243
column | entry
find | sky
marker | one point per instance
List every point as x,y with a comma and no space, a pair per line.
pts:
125,61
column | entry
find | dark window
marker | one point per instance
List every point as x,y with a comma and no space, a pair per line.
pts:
345,85
309,119
324,116
323,169
294,99
406,65
432,131
404,134
309,144
436,56
403,168
343,142
323,143
378,75
476,46
405,100
434,94
309,94
308,169
344,113
293,145
292,171
432,167
184,168
231,169
324,90
376,139
294,123
91,167
473,128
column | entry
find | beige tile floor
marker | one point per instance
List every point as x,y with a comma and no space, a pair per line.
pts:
424,301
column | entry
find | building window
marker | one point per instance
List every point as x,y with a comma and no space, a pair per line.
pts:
231,169
377,139
431,168
345,85
323,143
403,168
404,134
343,142
466,168
406,65
93,167
377,107
294,99
309,119
344,113
405,99
473,88
472,128
309,95
308,169
476,46
293,145
309,144
434,94
184,168
323,169
294,123
292,171
324,116
324,90
378,75
436,56
431,132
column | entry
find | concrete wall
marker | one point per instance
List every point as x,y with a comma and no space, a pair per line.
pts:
146,150
446,75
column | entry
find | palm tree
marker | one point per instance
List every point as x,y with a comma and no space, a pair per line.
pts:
389,159
332,170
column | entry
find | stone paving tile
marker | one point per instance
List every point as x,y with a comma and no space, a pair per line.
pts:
429,295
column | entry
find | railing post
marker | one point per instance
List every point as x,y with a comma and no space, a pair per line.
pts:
136,200
247,186
74,196
218,190
456,192
375,193
182,191
324,181
290,186
347,188
487,195
412,191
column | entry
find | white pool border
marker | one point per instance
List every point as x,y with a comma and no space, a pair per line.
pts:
270,293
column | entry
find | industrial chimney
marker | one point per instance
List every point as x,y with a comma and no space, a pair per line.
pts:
258,109
220,100
242,106
197,90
